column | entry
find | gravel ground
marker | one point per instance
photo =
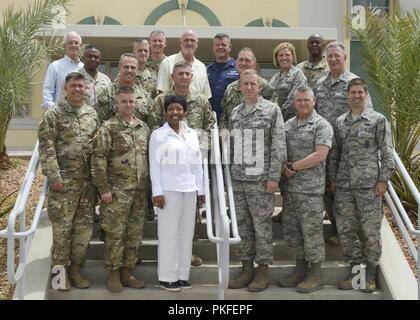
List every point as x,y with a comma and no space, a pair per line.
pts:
10,181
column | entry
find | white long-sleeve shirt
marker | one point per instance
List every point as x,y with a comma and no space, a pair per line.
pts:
175,161
54,79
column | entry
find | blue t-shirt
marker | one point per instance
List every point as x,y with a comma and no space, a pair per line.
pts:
220,76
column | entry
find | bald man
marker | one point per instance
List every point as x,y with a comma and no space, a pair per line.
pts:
200,82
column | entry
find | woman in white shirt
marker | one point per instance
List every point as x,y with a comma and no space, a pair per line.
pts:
177,178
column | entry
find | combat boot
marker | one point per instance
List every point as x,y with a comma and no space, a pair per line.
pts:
370,278
114,282
297,276
313,280
245,278
261,280
76,278
347,284
128,280
196,261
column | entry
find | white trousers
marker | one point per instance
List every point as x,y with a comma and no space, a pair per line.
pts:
176,222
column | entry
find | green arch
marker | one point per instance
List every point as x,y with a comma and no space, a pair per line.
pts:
107,21
172,5
260,23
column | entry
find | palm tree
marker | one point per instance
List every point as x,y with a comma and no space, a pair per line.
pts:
391,52
22,52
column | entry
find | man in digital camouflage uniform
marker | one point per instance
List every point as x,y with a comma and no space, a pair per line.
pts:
107,100
121,173
233,96
331,102
361,165
258,152
316,66
309,139
65,144
144,77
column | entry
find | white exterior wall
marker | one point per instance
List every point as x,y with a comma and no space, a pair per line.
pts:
325,13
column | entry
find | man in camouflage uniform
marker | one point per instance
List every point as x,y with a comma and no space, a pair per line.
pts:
107,108
95,80
233,96
308,138
65,144
157,41
316,66
144,77
256,127
199,116
121,173
331,102
360,182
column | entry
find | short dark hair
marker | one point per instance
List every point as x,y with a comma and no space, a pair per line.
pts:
175,99
126,55
90,47
357,82
125,90
181,64
221,36
75,76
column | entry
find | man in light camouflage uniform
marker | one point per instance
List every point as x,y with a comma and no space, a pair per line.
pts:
359,182
157,41
308,138
256,127
144,77
331,102
199,116
120,172
95,80
65,144
233,96
107,108
316,66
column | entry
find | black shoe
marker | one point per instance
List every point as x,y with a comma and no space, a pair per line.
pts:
183,284
170,286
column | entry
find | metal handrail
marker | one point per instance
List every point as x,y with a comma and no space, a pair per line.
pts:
401,217
222,222
25,236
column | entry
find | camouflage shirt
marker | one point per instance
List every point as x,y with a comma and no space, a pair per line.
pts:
120,155
301,139
107,102
65,141
354,156
314,71
94,86
257,146
233,98
153,67
145,79
285,86
331,97
199,113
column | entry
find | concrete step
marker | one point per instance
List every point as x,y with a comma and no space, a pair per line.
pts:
207,273
204,281
209,292
207,250
150,230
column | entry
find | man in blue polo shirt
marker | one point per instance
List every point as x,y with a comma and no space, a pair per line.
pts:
222,72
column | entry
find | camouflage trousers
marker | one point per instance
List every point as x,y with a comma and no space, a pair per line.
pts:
329,202
303,225
254,207
359,218
71,213
123,222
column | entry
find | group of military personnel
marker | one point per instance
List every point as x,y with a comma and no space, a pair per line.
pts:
311,131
